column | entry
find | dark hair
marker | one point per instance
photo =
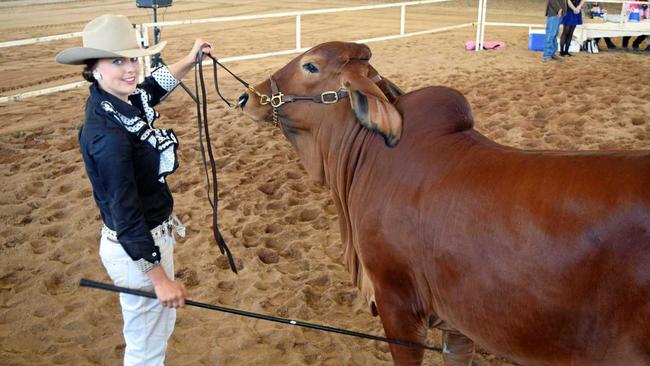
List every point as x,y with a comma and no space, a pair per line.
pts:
88,70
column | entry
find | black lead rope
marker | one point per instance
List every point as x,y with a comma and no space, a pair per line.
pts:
201,104
202,117
108,287
244,83
216,62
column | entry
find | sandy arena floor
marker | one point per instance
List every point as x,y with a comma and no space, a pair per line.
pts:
281,227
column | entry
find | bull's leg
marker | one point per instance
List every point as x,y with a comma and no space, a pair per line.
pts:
458,350
400,321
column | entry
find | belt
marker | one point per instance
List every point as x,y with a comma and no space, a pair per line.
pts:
163,230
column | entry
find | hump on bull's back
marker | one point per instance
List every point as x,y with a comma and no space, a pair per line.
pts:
444,109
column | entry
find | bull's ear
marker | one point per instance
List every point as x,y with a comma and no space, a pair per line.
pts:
372,108
390,90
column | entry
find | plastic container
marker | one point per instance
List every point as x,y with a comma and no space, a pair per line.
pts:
536,39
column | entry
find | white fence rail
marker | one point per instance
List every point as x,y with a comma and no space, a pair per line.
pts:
298,21
298,41
24,42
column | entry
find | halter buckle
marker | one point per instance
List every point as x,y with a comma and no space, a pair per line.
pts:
329,97
277,100
264,99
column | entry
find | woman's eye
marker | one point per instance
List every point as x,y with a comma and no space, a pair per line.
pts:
118,61
134,60
311,68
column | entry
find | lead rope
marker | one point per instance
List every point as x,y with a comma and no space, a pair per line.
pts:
202,116
216,62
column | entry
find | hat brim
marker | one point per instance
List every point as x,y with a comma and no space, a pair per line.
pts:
78,55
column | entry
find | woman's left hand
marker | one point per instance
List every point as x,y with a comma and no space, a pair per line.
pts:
201,45
184,65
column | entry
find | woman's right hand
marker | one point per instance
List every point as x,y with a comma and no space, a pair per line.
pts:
171,294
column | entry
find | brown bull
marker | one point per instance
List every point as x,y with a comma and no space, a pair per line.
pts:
542,257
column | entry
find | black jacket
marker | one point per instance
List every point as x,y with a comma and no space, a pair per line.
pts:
123,169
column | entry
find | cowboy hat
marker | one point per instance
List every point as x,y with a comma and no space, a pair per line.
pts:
107,36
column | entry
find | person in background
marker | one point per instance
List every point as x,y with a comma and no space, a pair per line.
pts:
569,22
637,42
127,161
643,13
555,9
645,10
608,42
596,10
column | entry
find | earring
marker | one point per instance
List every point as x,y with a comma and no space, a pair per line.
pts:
97,75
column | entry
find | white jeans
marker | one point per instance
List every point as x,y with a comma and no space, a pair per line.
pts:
147,324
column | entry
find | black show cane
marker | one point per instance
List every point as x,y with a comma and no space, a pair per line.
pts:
108,287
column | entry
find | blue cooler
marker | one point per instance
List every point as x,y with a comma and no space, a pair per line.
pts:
635,16
536,39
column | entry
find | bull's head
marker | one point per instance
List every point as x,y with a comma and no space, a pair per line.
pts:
328,86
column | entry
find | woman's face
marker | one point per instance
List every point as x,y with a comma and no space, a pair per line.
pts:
119,75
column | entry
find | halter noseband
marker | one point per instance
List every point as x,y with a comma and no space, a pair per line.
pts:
278,99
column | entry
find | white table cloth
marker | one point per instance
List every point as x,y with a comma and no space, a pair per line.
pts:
609,29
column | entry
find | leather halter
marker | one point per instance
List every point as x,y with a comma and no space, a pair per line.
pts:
278,99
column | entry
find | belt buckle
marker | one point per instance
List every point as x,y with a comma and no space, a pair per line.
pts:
158,231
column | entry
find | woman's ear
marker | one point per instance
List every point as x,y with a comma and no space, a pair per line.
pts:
371,107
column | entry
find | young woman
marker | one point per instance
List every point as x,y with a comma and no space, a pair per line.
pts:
569,22
127,160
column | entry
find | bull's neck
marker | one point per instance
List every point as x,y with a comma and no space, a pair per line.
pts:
343,157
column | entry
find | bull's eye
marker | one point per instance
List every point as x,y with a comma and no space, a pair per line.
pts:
310,68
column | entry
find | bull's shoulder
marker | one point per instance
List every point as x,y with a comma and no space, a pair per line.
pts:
438,108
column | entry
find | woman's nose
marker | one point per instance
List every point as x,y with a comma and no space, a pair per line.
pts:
242,100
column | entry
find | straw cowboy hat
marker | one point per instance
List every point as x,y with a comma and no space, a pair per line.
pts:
107,36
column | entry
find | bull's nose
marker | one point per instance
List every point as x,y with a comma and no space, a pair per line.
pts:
242,100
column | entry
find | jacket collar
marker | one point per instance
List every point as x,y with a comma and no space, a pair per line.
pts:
98,95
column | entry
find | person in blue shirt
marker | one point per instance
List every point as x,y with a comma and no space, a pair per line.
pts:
127,159
643,10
